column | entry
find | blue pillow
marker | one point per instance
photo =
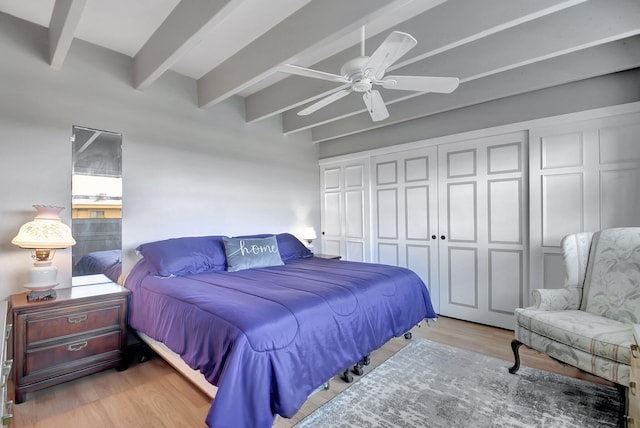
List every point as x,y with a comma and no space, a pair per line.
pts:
247,253
184,256
291,248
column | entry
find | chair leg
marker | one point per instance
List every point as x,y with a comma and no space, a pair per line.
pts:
515,346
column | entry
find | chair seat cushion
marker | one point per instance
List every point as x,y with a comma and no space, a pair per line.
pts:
581,330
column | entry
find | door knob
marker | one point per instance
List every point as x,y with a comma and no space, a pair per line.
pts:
434,237
443,237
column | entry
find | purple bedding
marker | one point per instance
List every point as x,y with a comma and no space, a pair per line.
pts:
269,337
107,262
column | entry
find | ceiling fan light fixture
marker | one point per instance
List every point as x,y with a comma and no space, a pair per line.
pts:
363,72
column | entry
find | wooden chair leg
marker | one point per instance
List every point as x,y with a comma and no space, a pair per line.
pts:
515,346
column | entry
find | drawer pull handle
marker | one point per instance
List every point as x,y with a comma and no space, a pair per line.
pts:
6,370
76,319
634,350
7,331
74,347
632,388
7,418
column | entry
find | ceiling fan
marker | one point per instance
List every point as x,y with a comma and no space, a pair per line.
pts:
364,72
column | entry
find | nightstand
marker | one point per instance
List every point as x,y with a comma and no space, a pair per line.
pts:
81,332
327,256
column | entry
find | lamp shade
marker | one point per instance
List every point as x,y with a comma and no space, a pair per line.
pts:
44,231
309,234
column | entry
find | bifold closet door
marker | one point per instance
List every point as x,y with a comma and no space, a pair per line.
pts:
405,213
345,213
481,233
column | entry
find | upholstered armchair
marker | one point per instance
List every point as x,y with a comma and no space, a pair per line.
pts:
588,323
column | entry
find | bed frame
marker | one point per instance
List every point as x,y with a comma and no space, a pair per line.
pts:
194,376
177,363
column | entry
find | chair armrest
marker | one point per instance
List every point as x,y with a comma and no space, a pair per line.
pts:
562,299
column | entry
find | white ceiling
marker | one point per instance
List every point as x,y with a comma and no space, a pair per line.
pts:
497,48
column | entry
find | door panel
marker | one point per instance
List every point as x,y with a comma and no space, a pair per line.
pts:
405,213
463,277
505,279
505,211
387,214
354,214
345,213
332,211
481,211
417,212
461,212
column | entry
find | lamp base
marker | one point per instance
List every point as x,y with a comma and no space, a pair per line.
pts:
36,295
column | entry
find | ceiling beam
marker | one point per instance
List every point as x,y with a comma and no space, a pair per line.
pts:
183,29
444,27
553,35
64,21
516,112
596,61
296,35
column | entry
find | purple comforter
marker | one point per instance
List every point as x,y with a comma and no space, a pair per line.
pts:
268,337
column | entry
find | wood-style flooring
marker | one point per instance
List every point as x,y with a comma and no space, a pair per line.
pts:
152,394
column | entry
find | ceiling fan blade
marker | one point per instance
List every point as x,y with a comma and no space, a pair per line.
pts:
443,85
375,105
316,74
394,46
324,101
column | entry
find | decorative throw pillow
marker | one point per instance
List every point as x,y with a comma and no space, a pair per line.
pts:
247,253
289,246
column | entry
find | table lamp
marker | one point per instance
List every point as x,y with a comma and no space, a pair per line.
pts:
309,234
43,235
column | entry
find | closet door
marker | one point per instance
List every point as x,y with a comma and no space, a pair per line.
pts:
585,176
405,213
345,214
482,220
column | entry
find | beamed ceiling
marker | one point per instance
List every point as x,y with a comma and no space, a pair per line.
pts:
497,48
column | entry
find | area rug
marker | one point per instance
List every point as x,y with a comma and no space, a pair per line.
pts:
428,384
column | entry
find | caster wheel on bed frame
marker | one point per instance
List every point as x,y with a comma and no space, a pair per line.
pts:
143,356
357,369
408,335
366,360
346,376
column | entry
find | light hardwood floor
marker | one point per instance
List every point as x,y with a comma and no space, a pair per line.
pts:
153,394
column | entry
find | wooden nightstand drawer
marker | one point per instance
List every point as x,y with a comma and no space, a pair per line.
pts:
61,323
50,358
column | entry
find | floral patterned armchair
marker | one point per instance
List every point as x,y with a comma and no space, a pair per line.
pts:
588,323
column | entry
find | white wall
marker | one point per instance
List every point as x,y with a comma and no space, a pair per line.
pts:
187,171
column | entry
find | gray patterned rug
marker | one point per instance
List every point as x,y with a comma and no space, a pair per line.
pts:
428,384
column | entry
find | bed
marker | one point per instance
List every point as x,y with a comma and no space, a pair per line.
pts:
107,262
270,333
